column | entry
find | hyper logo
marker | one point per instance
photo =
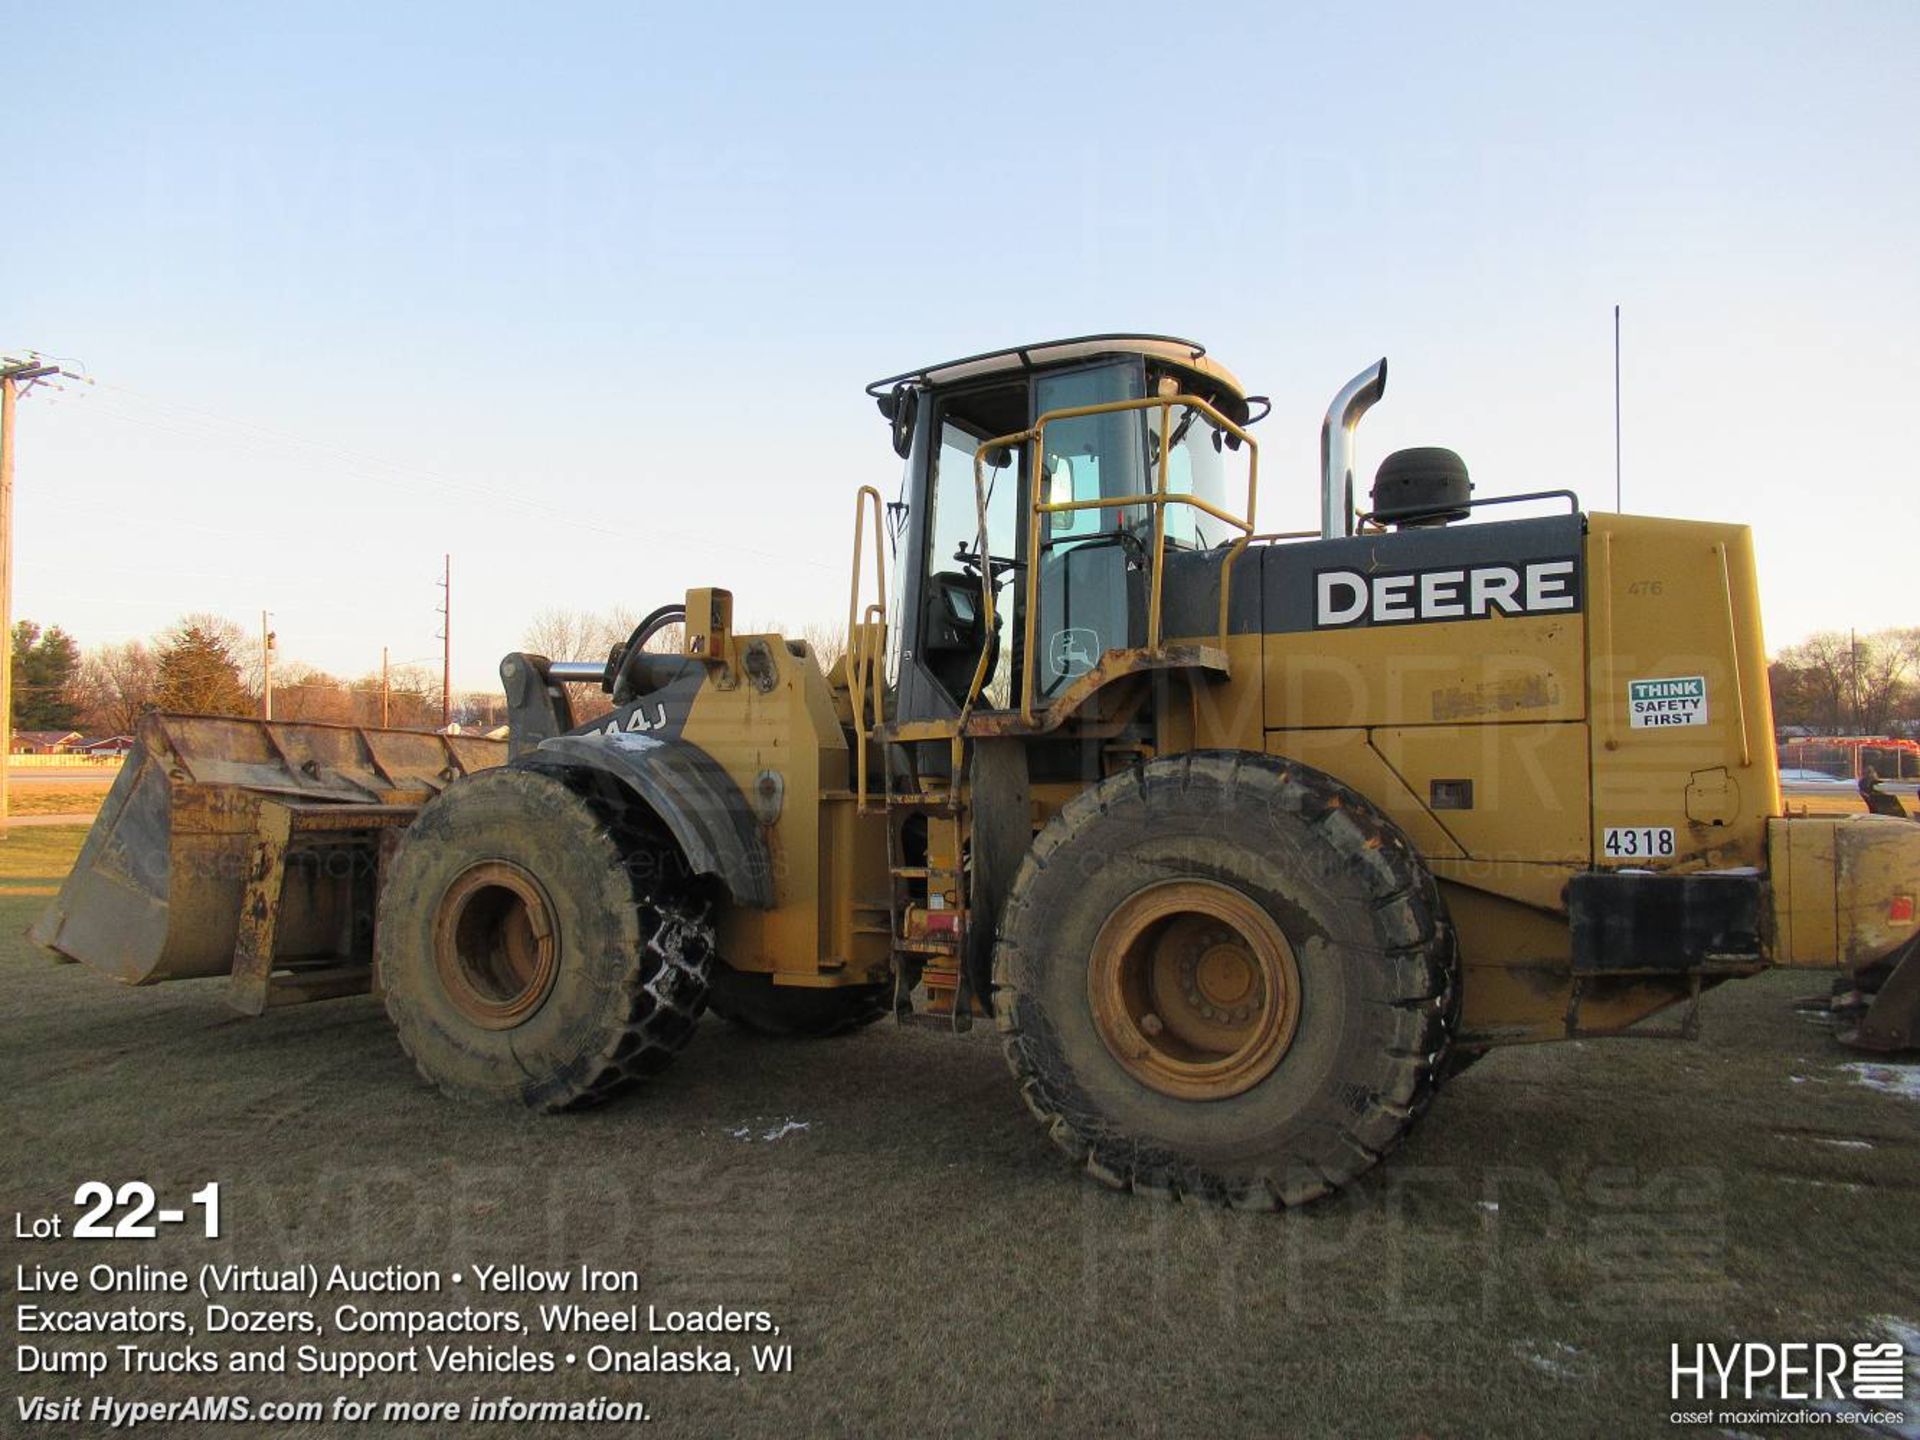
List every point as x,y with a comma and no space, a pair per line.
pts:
1795,1370
1469,592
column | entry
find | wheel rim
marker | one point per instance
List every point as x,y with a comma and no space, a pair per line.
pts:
496,944
1195,990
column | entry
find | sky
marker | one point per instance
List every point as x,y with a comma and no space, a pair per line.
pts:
585,295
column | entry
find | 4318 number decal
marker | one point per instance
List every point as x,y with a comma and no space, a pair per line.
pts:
1637,842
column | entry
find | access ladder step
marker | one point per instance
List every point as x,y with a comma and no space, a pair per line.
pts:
927,946
924,1020
935,804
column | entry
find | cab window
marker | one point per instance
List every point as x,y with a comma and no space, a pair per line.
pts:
954,627
1090,561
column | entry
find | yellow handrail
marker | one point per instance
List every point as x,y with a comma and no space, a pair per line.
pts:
1159,499
1733,655
866,633
860,499
1602,606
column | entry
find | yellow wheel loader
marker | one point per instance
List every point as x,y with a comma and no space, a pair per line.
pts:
1244,841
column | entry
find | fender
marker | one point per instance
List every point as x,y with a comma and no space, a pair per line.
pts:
691,794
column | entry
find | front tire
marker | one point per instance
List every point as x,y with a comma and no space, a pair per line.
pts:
1226,977
538,943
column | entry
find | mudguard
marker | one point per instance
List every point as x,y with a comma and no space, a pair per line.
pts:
696,800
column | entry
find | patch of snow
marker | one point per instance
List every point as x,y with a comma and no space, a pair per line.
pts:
1842,1142
1905,1331
1901,1080
748,1129
626,740
1847,1185
1553,1358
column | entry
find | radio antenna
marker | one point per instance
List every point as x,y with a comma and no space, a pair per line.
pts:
1616,410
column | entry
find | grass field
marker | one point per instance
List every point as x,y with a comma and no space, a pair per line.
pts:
56,799
1519,1268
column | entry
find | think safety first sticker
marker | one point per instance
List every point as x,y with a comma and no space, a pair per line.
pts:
1680,701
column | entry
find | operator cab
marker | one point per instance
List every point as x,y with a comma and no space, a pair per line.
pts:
1071,427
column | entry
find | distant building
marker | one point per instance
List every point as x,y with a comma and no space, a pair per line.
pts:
105,745
45,742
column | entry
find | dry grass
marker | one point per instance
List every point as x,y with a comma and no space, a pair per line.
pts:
33,858
1520,1268
56,800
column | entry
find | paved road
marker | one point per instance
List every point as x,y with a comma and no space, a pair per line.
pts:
77,778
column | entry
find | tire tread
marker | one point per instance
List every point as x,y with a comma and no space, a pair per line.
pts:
1415,959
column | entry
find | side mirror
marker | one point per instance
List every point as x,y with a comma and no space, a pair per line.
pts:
1056,481
900,405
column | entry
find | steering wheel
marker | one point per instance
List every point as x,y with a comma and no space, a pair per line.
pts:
1003,565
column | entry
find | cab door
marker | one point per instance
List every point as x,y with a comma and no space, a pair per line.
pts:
1092,562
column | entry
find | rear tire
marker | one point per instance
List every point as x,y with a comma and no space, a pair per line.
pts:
755,1004
1225,977
538,944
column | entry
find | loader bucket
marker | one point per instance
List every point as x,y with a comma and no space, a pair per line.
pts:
158,889
1879,1008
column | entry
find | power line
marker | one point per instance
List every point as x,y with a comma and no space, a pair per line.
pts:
213,426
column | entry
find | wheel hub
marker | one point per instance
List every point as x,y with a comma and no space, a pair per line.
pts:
1194,989
496,944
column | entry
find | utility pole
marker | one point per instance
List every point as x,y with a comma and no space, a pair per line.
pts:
446,644
1853,685
266,668
386,685
13,374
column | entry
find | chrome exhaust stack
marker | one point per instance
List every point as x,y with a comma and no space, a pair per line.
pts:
1356,397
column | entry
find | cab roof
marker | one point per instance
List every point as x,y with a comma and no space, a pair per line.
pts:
1188,354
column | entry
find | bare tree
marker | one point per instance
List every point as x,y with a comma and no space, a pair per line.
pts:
828,641
1842,683
413,699
304,693
117,684
1885,665
562,634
